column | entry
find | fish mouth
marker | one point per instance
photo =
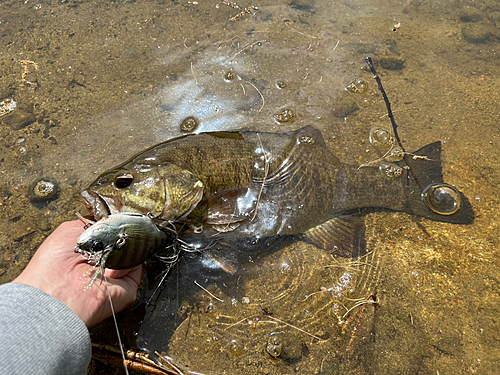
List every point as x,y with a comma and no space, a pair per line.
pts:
94,202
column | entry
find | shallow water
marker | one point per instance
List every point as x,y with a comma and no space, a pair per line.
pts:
115,78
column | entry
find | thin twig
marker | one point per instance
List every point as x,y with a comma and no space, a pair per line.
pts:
359,303
248,45
225,41
192,71
261,96
239,321
321,367
166,359
300,32
297,328
218,299
375,161
393,121
312,294
336,45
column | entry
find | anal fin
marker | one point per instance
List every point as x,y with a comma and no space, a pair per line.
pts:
343,235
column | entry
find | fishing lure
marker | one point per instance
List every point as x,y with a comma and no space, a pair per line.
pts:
122,240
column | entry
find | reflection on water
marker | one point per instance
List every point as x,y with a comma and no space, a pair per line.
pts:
113,79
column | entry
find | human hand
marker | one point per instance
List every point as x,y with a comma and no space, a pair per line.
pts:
57,270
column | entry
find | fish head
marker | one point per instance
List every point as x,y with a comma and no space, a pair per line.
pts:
165,191
98,238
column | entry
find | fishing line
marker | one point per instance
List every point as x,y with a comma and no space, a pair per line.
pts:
116,324
158,285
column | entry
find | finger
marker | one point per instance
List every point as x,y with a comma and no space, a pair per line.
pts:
118,274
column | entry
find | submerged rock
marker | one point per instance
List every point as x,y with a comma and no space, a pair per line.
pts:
344,108
480,33
391,63
19,119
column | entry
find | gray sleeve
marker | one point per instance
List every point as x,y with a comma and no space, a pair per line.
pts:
39,334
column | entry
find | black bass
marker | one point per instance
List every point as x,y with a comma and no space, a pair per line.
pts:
255,184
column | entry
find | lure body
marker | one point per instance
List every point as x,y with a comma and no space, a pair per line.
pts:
122,240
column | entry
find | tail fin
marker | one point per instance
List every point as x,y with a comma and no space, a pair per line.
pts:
429,196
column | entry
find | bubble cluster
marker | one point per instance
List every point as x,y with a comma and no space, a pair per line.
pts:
43,189
395,154
357,86
391,170
306,139
7,106
229,76
274,345
285,116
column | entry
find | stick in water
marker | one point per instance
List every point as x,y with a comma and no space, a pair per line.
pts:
391,116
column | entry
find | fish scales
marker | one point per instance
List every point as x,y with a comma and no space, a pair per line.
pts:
232,166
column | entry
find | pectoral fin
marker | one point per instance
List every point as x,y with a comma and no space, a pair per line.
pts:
229,207
343,235
220,260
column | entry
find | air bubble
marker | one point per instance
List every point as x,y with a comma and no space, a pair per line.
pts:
189,124
236,348
396,154
381,138
442,199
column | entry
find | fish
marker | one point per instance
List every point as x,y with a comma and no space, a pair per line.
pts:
250,184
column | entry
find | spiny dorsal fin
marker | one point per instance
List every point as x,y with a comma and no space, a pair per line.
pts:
343,235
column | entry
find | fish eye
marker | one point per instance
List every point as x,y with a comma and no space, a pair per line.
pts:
97,246
123,181
442,199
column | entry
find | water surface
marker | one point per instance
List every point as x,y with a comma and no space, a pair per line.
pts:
105,80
